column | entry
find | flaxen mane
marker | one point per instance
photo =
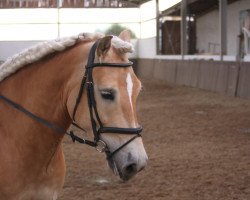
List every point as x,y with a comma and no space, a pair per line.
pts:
43,49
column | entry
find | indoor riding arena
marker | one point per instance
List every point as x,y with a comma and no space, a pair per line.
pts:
198,143
193,60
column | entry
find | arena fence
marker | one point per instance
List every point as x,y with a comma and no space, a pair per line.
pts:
230,78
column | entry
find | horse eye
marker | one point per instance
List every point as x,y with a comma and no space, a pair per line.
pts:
108,95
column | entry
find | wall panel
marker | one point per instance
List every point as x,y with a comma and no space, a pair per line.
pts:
230,78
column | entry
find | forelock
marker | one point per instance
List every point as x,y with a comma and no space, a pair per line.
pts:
122,46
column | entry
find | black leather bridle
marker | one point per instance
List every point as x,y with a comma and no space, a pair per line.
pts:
97,125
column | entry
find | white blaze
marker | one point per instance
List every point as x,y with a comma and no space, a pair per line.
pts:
130,89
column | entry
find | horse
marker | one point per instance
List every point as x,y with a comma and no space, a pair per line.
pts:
45,89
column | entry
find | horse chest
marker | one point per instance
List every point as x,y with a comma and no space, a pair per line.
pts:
40,190
28,183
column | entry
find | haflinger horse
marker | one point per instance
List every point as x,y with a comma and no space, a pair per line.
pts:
86,80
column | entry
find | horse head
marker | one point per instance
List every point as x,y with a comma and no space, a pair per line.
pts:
115,91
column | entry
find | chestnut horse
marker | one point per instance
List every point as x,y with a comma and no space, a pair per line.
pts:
47,85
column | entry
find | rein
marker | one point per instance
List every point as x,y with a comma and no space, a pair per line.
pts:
97,125
46,123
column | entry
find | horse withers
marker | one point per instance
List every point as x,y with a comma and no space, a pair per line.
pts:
47,87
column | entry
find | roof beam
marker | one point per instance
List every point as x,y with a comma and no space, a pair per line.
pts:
183,28
223,27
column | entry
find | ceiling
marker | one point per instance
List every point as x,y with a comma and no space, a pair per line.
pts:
196,7
132,3
138,2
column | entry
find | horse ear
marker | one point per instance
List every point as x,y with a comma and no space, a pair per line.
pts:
104,45
125,35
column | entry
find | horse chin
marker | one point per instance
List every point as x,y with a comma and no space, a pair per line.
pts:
115,170
113,166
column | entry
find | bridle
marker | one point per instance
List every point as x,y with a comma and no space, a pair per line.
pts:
97,125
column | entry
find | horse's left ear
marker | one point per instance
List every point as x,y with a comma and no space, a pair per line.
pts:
125,35
104,45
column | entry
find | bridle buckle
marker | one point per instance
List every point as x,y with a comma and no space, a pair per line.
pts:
101,146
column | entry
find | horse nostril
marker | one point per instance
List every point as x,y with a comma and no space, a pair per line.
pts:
130,169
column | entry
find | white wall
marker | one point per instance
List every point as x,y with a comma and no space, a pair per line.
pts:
147,48
46,24
208,28
28,24
207,31
148,19
8,48
21,28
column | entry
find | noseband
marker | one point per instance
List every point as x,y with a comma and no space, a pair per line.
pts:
97,125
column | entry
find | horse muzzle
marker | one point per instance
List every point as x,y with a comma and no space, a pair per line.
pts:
127,166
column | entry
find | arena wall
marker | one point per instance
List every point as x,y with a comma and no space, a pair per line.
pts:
230,78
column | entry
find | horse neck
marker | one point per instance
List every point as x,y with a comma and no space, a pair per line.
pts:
42,88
